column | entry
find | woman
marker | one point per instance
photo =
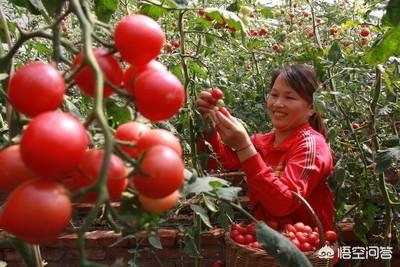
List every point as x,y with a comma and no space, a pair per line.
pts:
293,157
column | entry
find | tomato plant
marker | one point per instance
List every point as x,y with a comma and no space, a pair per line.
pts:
89,170
35,88
53,144
158,95
158,137
131,132
37,211
159,205
138,38
160,173
13,170
108,65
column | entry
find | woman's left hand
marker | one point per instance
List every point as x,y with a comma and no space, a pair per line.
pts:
232,132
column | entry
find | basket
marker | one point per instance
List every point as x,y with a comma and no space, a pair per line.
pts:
237,255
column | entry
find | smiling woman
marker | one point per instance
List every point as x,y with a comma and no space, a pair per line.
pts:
293,157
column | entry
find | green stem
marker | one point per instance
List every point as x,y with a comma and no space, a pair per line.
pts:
98,113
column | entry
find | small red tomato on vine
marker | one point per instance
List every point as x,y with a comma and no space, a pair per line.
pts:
364,32
216,93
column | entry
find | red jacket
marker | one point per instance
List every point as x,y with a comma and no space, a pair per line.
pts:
301,163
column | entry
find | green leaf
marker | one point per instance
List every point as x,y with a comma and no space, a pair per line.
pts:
232,20
385,158
11,28
152,11
210,203
388,46
335,52
203,184
280,247
202,213
267,13
28,5
155,241
387,79
196,68
229,193
42,49
118,114
104,9
392,13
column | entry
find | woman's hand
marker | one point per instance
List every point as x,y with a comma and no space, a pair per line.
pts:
206,103
232,132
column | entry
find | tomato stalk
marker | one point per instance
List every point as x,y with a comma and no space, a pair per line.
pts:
98,112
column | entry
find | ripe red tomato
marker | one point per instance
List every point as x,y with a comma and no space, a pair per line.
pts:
313,238
158,95
240,239
333,30
158,137
216,93
299,226
234,233
364,32
331,235
296,242
289,228
133,72
13,171
159,205
89,171
53,144
301,237
176,43
35,88
305,246
131,132
249,238
138,38
108,64
251,229
160,172
218,263
37,211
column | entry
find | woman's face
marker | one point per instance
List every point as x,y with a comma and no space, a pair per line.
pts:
286,108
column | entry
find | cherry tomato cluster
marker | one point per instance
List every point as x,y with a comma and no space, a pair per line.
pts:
260,32
245,235
171,46
301,235
54,146
365,34
202,13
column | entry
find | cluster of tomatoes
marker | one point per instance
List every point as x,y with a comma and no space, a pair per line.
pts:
53,151
202,13
169,47
260,32
302,236
364,35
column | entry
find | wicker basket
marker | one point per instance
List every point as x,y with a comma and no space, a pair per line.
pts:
237,255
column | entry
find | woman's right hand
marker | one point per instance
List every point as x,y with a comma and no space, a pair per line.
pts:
206,102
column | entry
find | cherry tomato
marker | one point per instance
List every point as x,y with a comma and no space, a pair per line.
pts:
131,132
217,94
289,228
133,72
331,235
35,88
158,205
158,95
53,144
240,239
305,247
37,211
301,237
138,38
89,171
364,32
85,78
299,226
218,263
13,170
249,238
312,238
160,172
159,137
234,233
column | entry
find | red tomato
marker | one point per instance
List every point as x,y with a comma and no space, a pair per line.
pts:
234,233
307,229
158,205
160,172
218,263
364,32
138,38
158,137
131,132
89,171
132,72
37,211
35,88
255,244
296,242
110,67
331,235
53,144
240,239
299,226
251,229
249,238
217,94
301,237
289,228
305,247
13,170
313,238
158,95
